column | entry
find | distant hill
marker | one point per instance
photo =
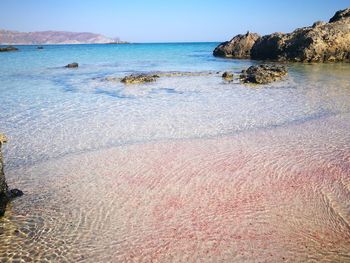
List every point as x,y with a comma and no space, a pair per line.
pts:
52,37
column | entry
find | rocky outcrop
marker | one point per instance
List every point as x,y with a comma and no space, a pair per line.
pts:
340,15
263,74
237,47
139,78
7,49
227,75
3,186
5,194
72,65
321,42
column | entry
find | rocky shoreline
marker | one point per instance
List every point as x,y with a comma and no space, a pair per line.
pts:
5,194
321,42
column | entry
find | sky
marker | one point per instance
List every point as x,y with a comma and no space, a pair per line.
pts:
166,20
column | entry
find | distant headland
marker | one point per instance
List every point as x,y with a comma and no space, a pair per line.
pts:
8,37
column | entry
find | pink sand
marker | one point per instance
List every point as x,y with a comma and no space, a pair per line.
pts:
279,195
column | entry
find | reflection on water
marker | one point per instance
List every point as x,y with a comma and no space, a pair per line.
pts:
186,169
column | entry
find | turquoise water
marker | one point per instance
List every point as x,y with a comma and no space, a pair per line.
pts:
49,111
187,168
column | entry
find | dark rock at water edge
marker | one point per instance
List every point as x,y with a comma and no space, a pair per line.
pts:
72,65
321,42
139,78
3,185
5,194
263,74
40,47
237,47
7,49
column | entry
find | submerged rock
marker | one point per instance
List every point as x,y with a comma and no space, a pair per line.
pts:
227,75
72,65
263,74
321,42
139,78
237,47
40,47
7,49
5,194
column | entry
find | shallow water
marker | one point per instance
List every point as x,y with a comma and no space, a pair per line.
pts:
189,168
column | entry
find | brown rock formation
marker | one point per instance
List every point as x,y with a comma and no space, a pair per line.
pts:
321,42
72,65
237,47
263,74
139,78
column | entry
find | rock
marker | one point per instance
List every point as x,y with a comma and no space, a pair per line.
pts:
40,47
237,47
13,193
268,47
263,74
227,75
340,15
3,139
5,194
3,185
139,78
7,49
72,65
318,23
322,42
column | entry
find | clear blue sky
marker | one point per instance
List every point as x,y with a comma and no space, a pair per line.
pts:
166,20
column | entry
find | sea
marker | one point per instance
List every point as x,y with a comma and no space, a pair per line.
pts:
189,168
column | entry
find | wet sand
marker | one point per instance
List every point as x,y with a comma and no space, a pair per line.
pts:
270,195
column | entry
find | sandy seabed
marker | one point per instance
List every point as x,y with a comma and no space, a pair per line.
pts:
271,195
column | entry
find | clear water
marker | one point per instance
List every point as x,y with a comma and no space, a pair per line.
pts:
90,153
49,111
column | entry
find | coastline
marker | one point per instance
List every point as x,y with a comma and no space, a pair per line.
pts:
234,151
187,167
